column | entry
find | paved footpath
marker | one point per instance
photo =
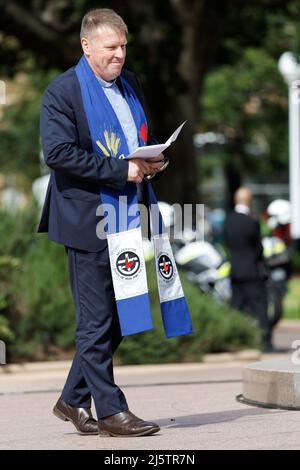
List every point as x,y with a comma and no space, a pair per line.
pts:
194,404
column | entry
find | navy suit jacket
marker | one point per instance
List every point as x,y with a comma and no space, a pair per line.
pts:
69,212
242,236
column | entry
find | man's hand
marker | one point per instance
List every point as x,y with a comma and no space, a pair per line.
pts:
163,163
138,168
159,158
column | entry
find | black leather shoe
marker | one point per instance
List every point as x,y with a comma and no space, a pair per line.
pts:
126,424
81,417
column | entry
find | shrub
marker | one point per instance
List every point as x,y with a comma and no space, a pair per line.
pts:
48,317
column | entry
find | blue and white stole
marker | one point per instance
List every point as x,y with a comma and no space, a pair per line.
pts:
125,239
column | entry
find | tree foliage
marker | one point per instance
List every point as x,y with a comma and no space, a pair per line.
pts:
210,62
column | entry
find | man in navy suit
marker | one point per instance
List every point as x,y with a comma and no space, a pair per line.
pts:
242,236
69,217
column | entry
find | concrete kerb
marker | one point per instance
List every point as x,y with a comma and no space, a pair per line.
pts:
288,325
208,359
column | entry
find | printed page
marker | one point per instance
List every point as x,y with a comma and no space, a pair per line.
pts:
151,151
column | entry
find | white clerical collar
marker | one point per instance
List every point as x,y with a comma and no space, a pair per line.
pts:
242,209
104,83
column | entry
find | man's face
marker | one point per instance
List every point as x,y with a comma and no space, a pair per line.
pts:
105,50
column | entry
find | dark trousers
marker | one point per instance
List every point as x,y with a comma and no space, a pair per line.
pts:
97,335
251,297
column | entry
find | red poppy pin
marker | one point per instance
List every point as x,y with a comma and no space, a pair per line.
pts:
144,132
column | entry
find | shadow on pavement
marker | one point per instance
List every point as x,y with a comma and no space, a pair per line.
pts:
212,418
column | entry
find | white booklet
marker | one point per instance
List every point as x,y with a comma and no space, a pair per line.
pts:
154,150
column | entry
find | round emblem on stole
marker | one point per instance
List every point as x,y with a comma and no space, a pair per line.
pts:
165,267
128,263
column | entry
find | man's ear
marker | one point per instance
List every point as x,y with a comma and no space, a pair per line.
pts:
85,44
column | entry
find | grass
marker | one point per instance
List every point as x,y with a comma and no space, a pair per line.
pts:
292,299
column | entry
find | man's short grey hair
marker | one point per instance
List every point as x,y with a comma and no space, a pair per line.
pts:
99,18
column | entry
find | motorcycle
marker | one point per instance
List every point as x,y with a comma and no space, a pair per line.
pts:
206,267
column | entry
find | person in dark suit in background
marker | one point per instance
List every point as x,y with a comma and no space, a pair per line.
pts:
69,217
242,236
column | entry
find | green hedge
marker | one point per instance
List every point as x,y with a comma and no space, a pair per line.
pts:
37,318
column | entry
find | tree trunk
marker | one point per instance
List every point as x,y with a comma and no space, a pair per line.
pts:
176,43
